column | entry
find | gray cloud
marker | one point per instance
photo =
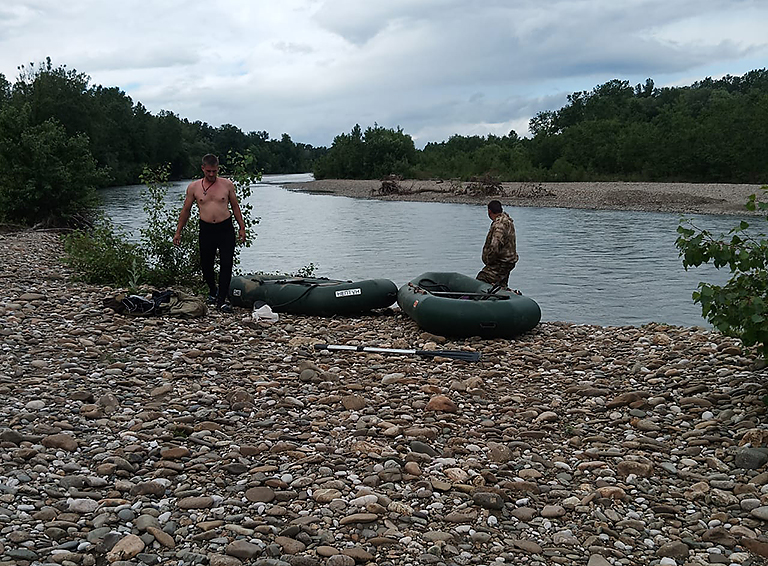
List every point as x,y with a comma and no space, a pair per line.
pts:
293,48
314,68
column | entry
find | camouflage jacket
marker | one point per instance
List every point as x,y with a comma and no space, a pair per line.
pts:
501,242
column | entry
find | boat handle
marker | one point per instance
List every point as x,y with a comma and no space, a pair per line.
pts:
487,325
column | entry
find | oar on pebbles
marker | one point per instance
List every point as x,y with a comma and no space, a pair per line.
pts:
453,354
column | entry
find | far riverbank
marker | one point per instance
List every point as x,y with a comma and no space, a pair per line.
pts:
710,198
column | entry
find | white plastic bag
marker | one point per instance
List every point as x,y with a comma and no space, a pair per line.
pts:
262,311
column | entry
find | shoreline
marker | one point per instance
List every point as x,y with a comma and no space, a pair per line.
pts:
709,198
232,441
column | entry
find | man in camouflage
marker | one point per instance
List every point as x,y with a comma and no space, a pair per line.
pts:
500,249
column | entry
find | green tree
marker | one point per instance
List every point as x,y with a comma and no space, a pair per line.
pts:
740,307
112,134
5,90
345,157
55,93
387,151
51,177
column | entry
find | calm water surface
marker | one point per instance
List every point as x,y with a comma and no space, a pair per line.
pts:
583,266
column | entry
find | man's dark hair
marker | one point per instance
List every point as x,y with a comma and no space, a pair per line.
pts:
495,206
210,159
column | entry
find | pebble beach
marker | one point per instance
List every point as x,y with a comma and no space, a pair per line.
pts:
700,198
224,440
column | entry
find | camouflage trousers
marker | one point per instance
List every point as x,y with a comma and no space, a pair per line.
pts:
496,274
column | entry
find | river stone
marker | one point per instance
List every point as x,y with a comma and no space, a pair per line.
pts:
553,511
175,453
441,403
297,438
756,546
340,560
83,505
358,518
326,495
353,402
202,502
720,536
21,554
525,514
464,516
162,537
488,500
751,458
498,452
63,441
423,448
565,538
627,467
222,560
529,546
760,512
290,545
243,549
325,551
126,548
148,488
10,435
143,522
673,549
260,494
357,553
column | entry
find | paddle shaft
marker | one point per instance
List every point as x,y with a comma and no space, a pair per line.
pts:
455,354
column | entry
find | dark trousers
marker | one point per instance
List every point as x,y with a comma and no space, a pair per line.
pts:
496,274
221,237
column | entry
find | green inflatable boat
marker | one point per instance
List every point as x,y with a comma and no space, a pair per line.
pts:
314,296
452,304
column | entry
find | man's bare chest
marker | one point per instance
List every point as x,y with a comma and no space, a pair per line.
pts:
214,196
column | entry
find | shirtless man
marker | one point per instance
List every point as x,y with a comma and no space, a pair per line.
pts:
214,195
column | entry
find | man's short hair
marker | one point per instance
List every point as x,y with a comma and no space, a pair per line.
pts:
495,207
210,159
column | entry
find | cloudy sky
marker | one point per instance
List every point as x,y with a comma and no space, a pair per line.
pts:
314,68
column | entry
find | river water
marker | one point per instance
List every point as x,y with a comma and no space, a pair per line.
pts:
583,266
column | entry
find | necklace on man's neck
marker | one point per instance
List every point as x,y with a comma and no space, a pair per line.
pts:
202,184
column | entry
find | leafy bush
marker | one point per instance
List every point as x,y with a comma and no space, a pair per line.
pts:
740,307
102,255
168,264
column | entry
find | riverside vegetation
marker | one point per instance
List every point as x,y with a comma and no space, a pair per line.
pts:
706,132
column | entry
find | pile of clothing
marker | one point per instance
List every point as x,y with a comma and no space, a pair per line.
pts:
161,303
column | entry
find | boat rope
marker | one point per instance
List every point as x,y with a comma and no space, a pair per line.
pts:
308,289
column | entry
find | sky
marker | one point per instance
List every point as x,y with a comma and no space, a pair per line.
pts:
315,68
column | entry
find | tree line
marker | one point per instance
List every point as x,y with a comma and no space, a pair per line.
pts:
62,138
711,131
